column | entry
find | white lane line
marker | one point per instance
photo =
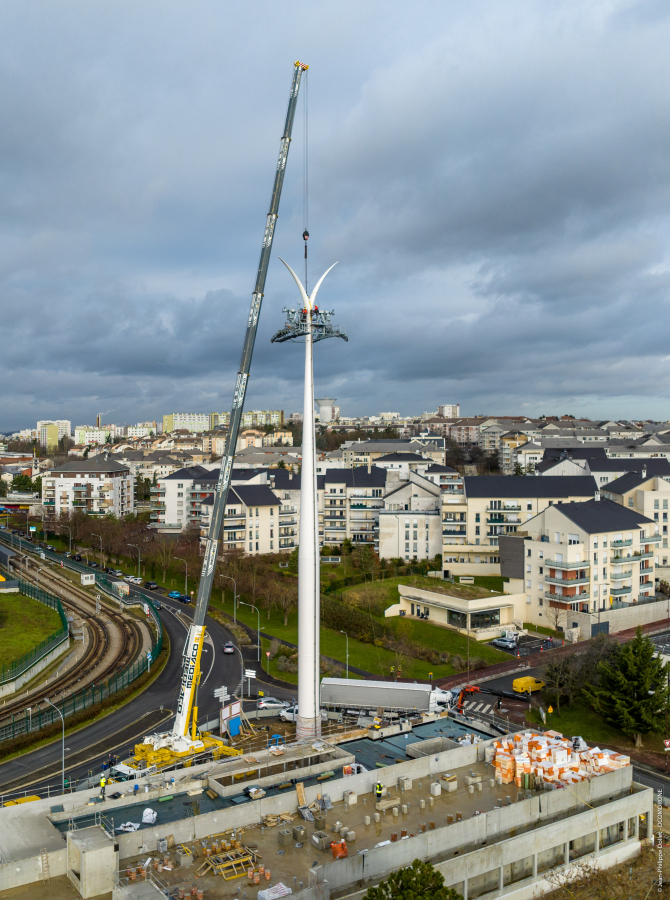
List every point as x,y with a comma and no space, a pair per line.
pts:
209,641
478,707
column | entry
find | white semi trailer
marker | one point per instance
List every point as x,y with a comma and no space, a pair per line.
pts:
352,695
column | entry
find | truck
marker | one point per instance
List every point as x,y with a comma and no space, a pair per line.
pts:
355,696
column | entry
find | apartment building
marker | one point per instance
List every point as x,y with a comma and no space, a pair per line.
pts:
449,410
493,505
252,521
508,444
50,431
278,436
86,434
410,519
352,500
176,500
447,478
647,495
97,487
580,562
250,437
214,443
256,417
364,453
190,421
594,461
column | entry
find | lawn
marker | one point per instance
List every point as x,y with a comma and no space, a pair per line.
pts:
366,656
376,596
490,582
24,623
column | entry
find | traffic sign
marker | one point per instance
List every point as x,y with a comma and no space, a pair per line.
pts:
550,709
33,527
221,693
249,673
667,746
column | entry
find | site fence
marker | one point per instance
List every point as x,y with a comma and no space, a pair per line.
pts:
35,719
12,671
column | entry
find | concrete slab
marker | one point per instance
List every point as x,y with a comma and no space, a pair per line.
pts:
56,889
25,830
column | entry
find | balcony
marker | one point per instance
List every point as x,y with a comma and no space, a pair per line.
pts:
358,517
341,527
48,503
618,592
567,598
503,520
567,582
620,576
456,532
366,529
621,543
555,564
650,540
360,496
632,557
503,509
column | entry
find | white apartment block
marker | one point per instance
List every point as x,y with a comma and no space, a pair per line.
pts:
97,487
580,562
64,426
86,434
252,521
649,496
410,521
449,410
492,505
256,417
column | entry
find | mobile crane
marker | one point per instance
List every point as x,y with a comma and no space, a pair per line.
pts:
184,740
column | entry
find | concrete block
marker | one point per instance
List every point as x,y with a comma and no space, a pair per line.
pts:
320,823
378,817
451,787
422,804
473,778
298,833
471,789
184,859
435,789
366,820
395,812
321,840
404,783
403,809
350,798
479,786
351,836
285,837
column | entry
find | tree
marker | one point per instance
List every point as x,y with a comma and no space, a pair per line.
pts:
556,617
633,688
287,598
420,881
518,469
108,438
561,677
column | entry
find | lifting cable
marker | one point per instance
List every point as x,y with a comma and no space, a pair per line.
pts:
305,175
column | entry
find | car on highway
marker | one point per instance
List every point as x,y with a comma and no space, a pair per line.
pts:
135,579
117,572
93,565
228,647
272,703
49,547
174,595
157,604
184,598
151,585
128,578
77,558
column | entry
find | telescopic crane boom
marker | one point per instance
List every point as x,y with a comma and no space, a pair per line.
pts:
179,740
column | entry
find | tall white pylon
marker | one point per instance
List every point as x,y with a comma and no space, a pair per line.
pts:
313,325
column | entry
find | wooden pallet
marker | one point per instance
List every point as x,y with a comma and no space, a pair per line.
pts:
229,865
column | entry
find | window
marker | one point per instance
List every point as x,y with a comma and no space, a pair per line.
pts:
180,493
457,619
257,545
180,485
485,619
557,538
541,570
656,504
477,519
665,504
256,510
271,545
476,529
528,567
529,585
251,546
528,552
529,507
540,587
540,554
630,501
270,510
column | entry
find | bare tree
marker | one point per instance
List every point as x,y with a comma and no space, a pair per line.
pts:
287,597
556,616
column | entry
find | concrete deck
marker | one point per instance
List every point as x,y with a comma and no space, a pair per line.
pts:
60,888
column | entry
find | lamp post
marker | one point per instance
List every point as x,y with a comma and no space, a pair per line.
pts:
234,597
46,699
100,536
242,603
347,637
186,578
137,546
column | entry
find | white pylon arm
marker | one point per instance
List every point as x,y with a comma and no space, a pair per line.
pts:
308,300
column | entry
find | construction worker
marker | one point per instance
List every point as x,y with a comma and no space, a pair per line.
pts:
379,790
103,782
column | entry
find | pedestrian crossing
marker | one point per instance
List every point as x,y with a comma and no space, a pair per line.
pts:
474,707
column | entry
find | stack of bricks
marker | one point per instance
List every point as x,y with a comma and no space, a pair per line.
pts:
551,758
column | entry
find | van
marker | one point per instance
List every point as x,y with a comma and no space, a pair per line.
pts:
527,685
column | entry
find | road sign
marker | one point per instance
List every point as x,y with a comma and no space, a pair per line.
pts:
33,527
550,709
249,673
221,693
667,746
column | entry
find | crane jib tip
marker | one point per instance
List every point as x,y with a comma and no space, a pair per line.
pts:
303,66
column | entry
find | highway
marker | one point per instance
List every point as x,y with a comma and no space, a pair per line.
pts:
152,710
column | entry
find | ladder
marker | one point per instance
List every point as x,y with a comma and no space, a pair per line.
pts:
44,860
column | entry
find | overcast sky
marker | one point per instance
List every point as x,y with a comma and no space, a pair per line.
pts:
494,180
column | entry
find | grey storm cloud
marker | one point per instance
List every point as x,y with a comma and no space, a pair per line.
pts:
494,180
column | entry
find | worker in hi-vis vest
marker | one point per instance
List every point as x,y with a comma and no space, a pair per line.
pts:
103,782
379,790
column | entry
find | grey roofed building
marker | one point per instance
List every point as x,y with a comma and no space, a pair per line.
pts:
627,482
358,477
528,486
91,466
402,457
437,469
597,516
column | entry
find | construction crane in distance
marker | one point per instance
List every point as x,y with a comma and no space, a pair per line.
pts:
183,740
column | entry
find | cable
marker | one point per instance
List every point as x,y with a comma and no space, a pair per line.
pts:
305,177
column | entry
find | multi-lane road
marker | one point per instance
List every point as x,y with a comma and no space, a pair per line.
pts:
153,710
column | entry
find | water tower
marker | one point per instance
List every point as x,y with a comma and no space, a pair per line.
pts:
325,409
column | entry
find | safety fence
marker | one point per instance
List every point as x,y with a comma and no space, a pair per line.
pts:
35,719
12,671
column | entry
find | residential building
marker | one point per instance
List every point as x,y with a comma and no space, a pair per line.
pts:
507,457
63,429
449,410
448,479
363,453
176,500
647,495
279,436
492,505
249,438
49,436
97,486
594,461
252,519
587,566
191,421
410,519
352,500
214,443
404,463
86,434
256,417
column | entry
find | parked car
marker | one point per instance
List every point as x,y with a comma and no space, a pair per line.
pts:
135,579
272,703
117,572
174,595
151,585
289,713
228,647
504,644
527,685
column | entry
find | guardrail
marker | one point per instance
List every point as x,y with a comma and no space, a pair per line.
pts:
14,670
93,694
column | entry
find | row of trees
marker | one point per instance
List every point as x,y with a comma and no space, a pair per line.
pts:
627,684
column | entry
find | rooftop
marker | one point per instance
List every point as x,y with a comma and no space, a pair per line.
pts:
522,486
597,516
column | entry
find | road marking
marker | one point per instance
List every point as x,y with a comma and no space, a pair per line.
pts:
209,641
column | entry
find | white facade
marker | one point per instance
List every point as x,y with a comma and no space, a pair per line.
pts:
64,426
95,487
449,410
85,434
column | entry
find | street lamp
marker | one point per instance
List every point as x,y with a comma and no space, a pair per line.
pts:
347,637
137,546
46,699
100,536
234,597
179,558
242,603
